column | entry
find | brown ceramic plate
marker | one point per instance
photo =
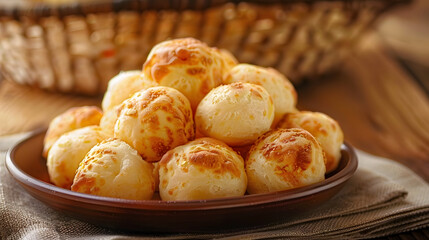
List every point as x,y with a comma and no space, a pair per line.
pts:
26,165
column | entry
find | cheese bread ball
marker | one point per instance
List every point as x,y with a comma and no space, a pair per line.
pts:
236,114
325,129
284,159
68,151
114,169
123,86
154,121
229,61
71,119
202,169
277,85
187,65
108,121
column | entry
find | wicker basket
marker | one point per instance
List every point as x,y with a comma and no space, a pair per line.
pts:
77,48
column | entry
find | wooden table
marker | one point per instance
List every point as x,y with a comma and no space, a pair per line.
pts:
381,107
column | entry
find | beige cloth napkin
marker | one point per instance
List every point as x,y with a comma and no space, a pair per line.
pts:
382,198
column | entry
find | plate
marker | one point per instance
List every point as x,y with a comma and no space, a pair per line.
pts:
25,163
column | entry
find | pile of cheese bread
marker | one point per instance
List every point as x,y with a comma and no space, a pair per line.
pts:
193,124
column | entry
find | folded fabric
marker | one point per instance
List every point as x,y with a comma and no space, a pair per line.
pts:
382,198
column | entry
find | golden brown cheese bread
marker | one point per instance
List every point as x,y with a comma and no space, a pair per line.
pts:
202,169
108,121
187,65
229,61
71,119
236,114
123,86
284,159
68,151
154,121
325,129
113,169
277,85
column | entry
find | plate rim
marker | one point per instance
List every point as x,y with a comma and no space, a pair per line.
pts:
26,180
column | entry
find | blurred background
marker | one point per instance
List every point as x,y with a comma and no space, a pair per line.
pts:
406,32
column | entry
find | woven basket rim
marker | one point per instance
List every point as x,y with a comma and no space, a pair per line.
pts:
37,10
